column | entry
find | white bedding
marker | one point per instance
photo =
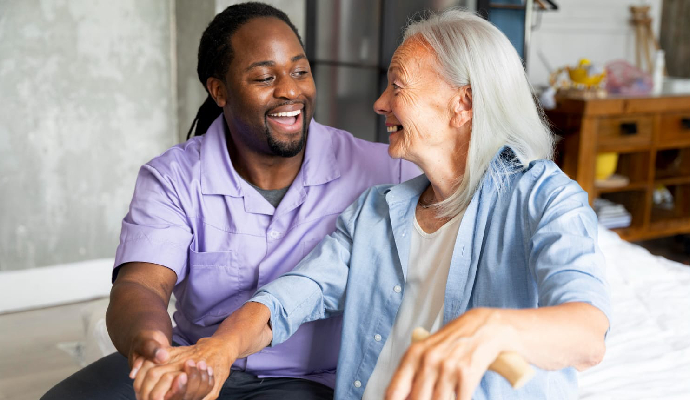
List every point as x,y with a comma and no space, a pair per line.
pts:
648,346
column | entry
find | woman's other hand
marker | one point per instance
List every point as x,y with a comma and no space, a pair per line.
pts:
453,360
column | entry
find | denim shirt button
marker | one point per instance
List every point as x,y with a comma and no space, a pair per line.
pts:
377,337
358,384
397,289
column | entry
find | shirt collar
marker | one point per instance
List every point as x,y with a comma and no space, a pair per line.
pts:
219,177
407,190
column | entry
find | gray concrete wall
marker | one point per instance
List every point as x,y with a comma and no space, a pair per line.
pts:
191,19
86,97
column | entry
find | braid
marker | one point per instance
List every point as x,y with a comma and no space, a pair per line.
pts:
215,52
208,112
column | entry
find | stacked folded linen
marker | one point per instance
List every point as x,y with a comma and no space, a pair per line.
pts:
611,215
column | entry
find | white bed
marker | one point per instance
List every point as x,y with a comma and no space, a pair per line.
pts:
648,347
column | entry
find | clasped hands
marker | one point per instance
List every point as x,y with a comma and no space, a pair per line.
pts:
163,372
452,361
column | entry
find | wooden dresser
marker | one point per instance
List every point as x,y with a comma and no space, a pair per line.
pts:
652,138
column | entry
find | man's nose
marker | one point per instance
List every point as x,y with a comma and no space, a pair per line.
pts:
286,88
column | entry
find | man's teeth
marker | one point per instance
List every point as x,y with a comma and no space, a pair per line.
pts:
393,128
286,114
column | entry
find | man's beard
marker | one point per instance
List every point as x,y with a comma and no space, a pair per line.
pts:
286,150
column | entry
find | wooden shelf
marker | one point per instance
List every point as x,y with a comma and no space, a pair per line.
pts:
673,144
655,230
632,187
669,227
630,234
622,148
652,138
680,180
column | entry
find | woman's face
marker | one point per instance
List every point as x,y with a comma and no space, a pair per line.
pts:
422,108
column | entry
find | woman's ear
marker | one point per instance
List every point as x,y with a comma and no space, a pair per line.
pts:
216,88
462,107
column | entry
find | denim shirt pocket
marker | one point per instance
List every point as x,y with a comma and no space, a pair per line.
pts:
213,283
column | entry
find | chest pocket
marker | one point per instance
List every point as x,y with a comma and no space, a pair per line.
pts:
215,286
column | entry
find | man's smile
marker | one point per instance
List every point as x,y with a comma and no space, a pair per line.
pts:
288,119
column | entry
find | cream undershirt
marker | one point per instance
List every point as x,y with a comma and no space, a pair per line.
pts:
422,304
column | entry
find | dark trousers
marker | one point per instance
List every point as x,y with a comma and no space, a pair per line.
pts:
107,379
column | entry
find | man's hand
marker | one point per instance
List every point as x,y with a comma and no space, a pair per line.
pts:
192,372
150,346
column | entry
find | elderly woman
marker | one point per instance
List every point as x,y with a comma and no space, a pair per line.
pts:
492,249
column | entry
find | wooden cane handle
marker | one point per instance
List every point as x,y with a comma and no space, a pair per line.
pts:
508,364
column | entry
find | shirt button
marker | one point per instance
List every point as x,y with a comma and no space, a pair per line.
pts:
274,234
397,288
377,337
358,384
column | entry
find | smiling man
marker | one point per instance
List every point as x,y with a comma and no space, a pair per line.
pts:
228,211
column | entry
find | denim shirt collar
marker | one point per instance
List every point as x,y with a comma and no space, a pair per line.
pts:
503,160
402,201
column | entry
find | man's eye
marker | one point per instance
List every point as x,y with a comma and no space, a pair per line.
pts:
300,74
395,86
263,80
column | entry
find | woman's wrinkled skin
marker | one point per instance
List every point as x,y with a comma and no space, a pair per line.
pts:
436,122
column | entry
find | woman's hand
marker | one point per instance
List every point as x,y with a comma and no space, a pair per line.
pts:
453,360
192,372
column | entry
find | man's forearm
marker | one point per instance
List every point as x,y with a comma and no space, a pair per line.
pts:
133,309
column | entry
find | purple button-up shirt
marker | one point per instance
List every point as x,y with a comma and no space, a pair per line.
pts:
193,213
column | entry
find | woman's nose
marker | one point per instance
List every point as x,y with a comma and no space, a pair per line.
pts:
381,105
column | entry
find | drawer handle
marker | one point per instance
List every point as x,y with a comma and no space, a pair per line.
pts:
629,128
685,123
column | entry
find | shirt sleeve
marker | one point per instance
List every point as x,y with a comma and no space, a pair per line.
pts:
155,230
565,258
315,289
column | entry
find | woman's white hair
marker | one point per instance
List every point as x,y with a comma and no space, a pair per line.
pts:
471,51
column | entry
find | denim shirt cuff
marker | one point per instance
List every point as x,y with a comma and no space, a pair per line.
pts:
277,322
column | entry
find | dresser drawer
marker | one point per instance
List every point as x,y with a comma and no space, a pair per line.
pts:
625,131
675,127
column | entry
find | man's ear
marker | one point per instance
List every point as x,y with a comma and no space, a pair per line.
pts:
462,107
216,88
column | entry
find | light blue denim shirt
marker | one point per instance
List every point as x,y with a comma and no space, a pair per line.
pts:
532,243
